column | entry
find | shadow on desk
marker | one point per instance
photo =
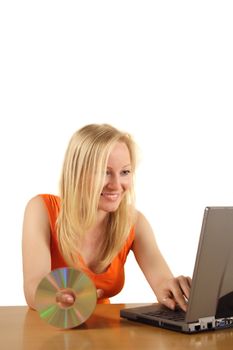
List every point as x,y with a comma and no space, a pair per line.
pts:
106,330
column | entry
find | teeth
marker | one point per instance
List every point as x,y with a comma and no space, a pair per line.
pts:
109,195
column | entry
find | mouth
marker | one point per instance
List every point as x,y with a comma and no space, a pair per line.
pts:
110,196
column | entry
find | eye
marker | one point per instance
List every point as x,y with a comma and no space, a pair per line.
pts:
125,172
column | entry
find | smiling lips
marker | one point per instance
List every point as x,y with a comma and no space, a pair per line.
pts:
110,196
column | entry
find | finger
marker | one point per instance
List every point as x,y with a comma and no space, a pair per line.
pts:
65,298
189,279
169,302
100,293
185,284
179,297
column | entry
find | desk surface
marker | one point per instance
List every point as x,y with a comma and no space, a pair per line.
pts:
22,329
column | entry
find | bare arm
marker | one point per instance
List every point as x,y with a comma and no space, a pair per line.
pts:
36,252
168,290
36,247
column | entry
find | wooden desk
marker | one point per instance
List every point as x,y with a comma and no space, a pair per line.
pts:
22,329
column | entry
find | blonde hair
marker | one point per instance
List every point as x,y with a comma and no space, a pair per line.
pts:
81,185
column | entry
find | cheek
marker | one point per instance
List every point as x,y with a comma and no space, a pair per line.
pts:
105,183
127,183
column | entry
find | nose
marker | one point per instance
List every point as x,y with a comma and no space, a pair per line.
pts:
114,182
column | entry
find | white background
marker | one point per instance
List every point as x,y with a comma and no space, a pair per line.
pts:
161,70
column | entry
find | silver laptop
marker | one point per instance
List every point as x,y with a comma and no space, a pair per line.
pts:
210,305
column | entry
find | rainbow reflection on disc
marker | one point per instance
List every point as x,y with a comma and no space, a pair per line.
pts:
68,280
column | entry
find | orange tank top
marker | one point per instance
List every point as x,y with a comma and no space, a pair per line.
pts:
112,280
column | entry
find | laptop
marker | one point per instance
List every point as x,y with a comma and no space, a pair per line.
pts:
210,305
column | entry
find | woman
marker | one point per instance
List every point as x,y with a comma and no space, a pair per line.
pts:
94,223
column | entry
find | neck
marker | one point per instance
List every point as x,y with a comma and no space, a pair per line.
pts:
102,218
100,225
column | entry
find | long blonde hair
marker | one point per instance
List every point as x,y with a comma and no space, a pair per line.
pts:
81,185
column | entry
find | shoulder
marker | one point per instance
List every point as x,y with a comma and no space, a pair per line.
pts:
50,198
141,224
144,234
41,204
35,203
40,199
145,240
35,208
35,218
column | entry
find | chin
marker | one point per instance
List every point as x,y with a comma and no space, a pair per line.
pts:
109,208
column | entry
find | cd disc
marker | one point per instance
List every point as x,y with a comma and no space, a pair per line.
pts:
65,280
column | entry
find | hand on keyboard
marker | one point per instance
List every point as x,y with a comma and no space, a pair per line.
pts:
174,291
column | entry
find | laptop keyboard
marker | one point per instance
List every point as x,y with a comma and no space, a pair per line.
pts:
174,315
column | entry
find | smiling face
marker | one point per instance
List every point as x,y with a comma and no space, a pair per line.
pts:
118,178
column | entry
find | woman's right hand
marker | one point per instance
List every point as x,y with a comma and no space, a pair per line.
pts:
67,299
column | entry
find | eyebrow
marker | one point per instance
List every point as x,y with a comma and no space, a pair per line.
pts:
125,166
